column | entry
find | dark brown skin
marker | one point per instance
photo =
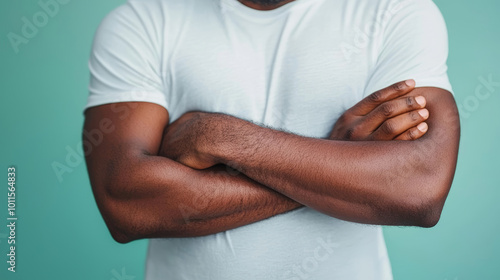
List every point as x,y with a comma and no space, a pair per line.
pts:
367,120
264,7
143,194
373,182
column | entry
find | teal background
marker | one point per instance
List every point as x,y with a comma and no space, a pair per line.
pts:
60,233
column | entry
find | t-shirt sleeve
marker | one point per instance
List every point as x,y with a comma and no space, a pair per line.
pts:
414,45
124,63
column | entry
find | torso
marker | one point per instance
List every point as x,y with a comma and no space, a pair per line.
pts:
285,68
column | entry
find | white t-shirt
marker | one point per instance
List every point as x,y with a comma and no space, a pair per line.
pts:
296,68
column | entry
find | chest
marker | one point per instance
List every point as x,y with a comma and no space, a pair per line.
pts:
288,77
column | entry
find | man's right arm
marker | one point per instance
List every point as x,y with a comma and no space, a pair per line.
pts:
143,195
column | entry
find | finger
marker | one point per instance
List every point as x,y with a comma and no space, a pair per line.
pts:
414,133
370,102
391,128
392,109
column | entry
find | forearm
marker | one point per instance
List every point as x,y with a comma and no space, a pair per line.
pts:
343,179
155,197
389,182
377,182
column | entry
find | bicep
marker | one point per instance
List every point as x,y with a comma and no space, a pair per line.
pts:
444,123
115,134
438,148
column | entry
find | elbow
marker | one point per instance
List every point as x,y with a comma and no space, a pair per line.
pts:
116,214
128,219
426,195
120,236
125,228
132,212
132,208
421,200
418,212
424,208
429,217
118,222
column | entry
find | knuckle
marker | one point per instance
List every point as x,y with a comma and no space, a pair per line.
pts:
413,134
387,109
414,116
389,127
399,86
376,96
349,134
353,133
410,101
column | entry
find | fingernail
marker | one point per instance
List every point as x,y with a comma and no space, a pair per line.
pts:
423,127
420,100
424,113
410,82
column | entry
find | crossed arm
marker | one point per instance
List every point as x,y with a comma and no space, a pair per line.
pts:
143,195
177,188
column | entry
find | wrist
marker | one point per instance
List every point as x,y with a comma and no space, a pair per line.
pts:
227,138
216,134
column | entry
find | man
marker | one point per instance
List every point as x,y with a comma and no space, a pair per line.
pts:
260,139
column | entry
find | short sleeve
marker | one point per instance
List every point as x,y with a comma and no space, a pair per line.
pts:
124,63
414,45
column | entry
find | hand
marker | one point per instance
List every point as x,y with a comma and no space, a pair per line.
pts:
388,114
187,140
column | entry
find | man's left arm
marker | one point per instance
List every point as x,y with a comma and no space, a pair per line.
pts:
375,182
392,182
